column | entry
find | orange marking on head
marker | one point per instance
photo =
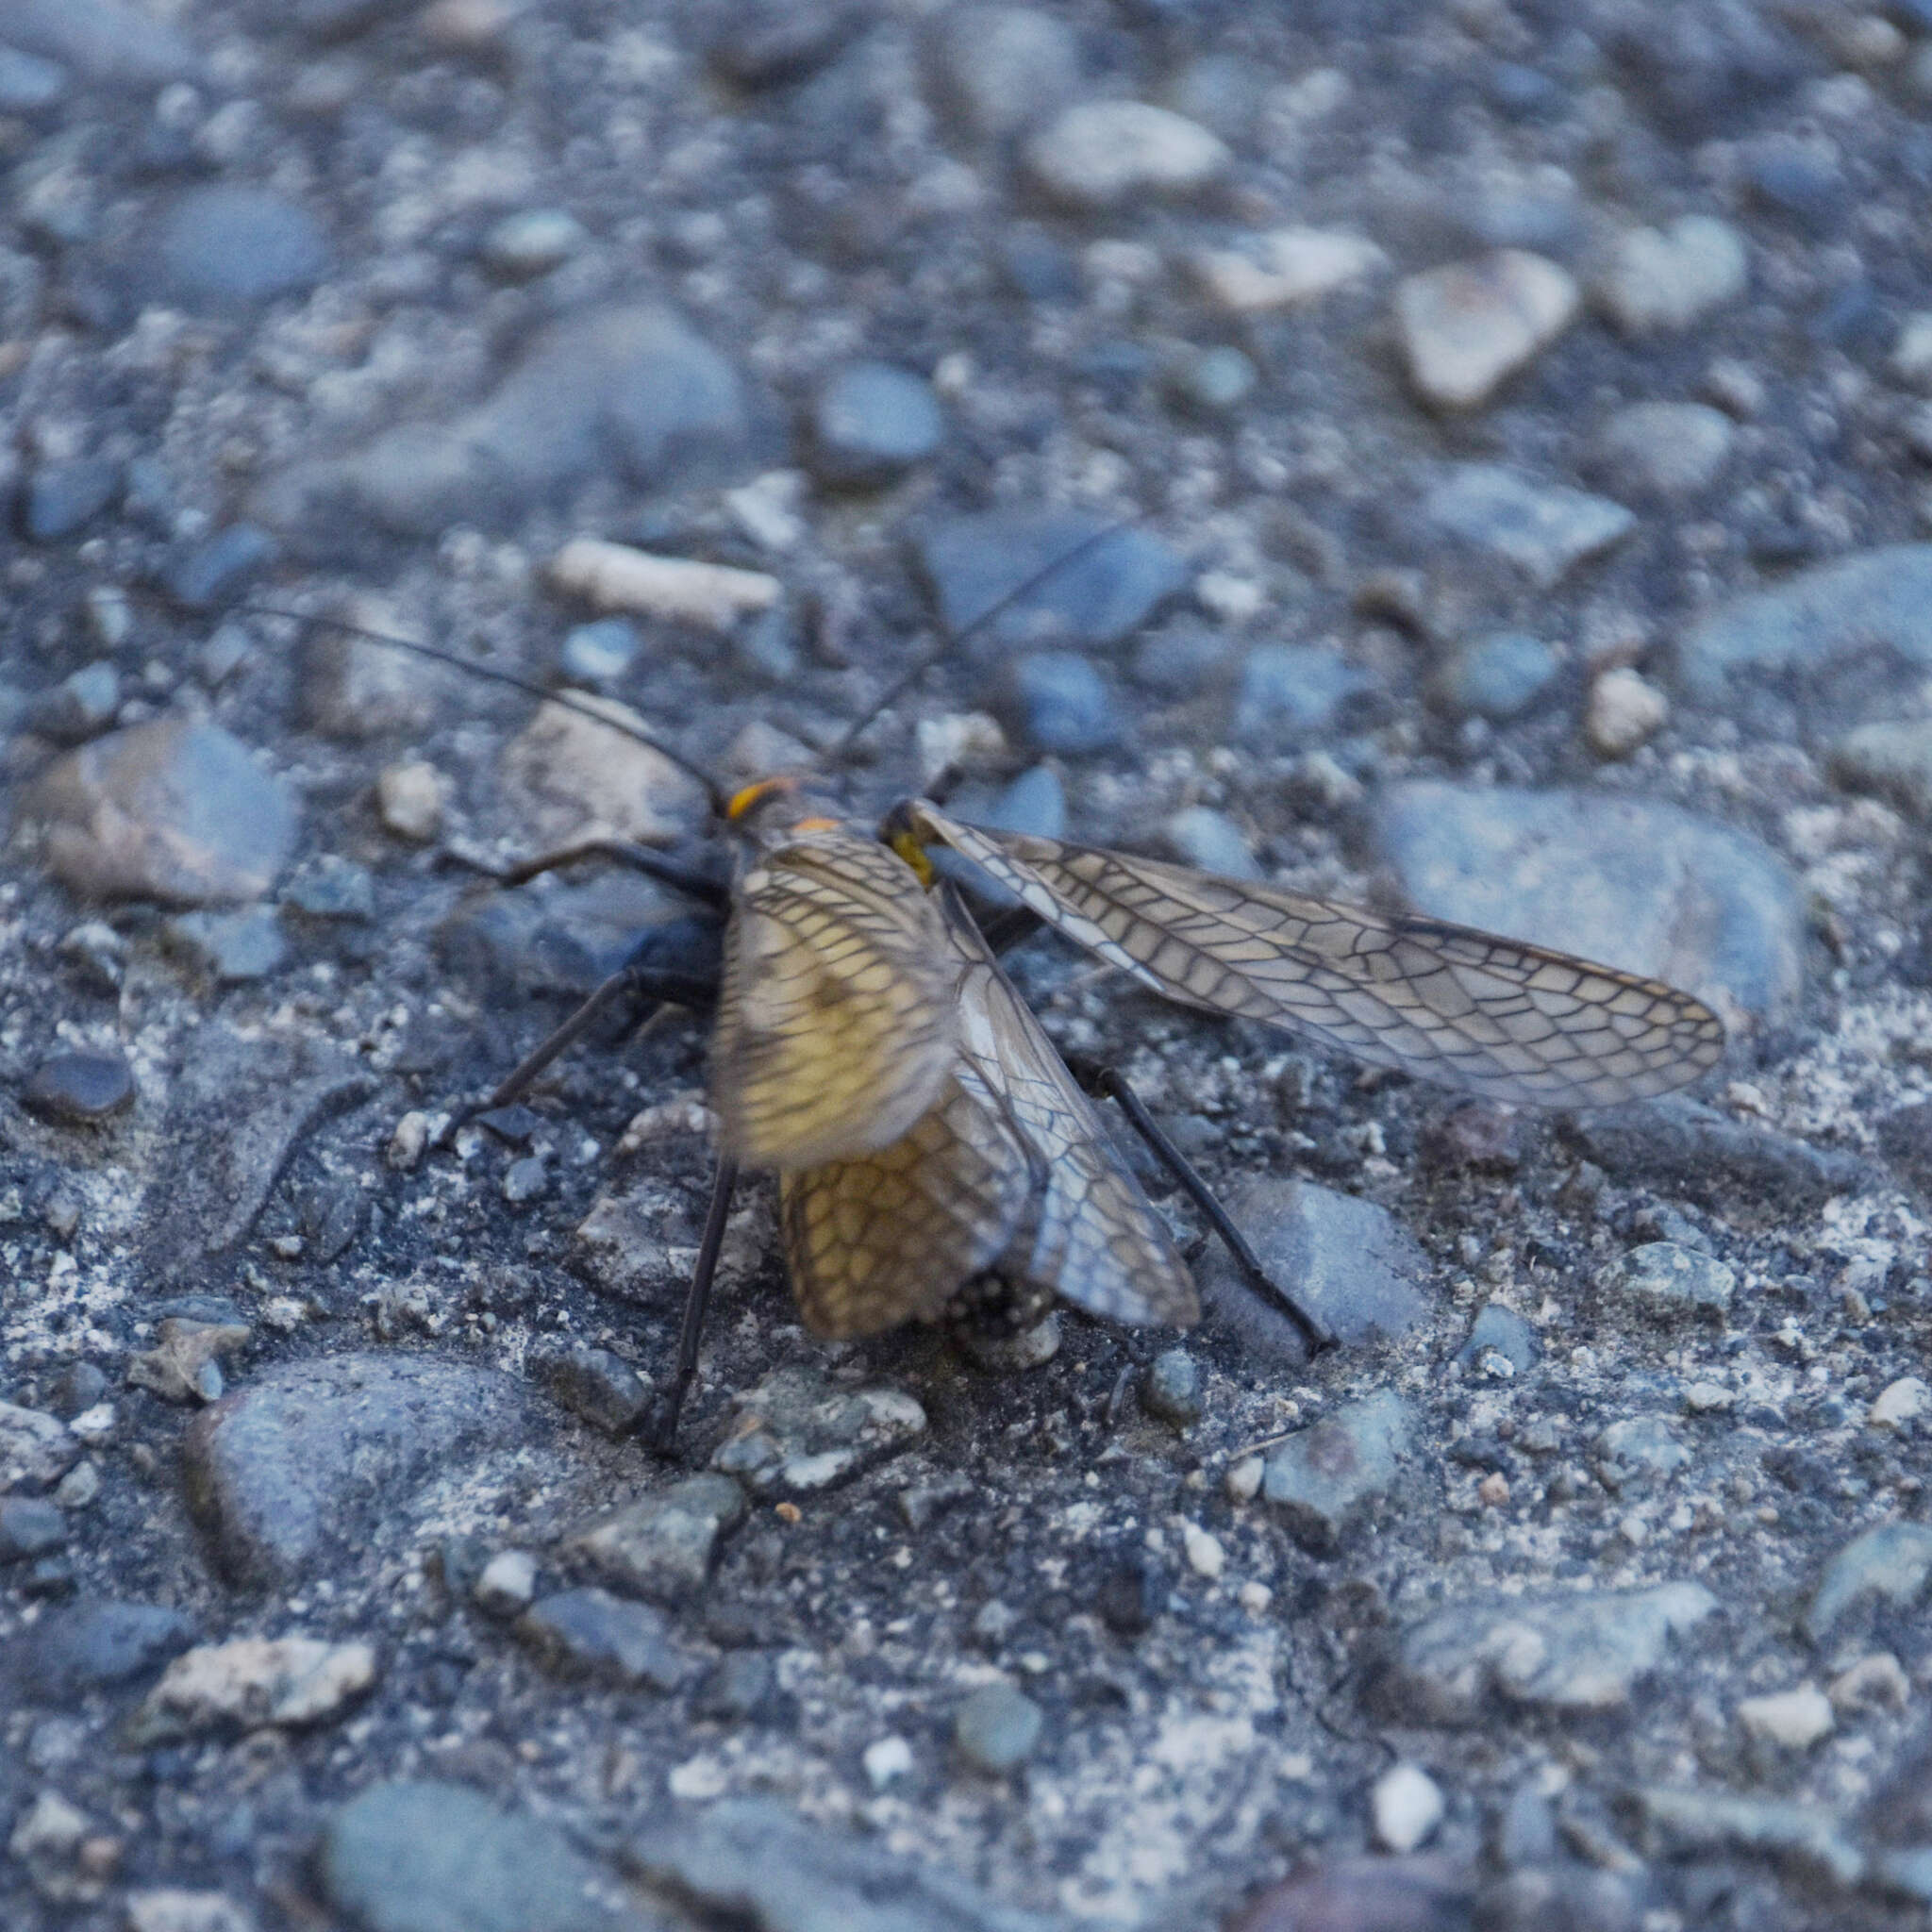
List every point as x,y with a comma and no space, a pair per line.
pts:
741,802
819,824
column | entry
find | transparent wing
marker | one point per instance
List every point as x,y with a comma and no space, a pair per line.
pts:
1492,1016
1093,1237
836,1011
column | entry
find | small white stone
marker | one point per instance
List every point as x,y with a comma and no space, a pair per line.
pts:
410,798
254,1681
885,1759
78,1486
699,1778
407,1140
1791,1720
1660,281
95,1426
1407,1805
1255,1598
1911,355
616,576
575,777
1104,152
1206,1557
1243,1478
1708,1398
1899,1405
1626,710
170,1910
508,1583
1873,1683
1468,326
1286,268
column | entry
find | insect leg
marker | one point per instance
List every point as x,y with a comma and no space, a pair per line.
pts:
663,1425
693,884
1106,1080
1005,929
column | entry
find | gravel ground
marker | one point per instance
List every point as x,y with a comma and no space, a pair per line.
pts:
1524,414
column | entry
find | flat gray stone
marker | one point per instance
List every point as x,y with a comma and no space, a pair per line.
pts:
1496,677
1877,599
663,1545
35,1449
1543,529
441,1858
798,1432
1670,450
91,1645
176,810
314,1461
753,1860
1582,1652
1467,327
1325,1477
1661,281
591,1634
1664,1279
1346,1257
1892,759
1642,885
1805,1840
1098,154
1890,1565
999,70
225,248
104,41
1686,1145
1504,1334
997,1728
1637,1453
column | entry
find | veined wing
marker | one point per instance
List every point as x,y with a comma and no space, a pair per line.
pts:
1094,1237
1470,1009
836,1012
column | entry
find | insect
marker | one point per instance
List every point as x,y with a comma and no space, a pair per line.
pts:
936,1159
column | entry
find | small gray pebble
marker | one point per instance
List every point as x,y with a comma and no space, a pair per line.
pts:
63,498
997,1728
77,1087
1212,382
1172,1388
30,1526
871,422
210,574
532,242
1496,677
1058,701
77,1387
600,653
525,1180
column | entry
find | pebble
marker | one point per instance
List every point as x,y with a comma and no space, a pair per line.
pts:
1347,1259
1890,1564
80,1486
36,1450
1626,710
1283,269
1788,1720
426,1856
171,1909
1205,1554
1132,1593
532,242
251,1682
82,704
1289,693
886,1759
1497,677
590,1633
1000,70
1707,1825
1663,281
63,498
93,1645
526,1180
508,1584
1900,1404
1502,1333
997,1728
1407,1807
799,1432
410,798
1543,529
1057,701
1324,1478
1665,1281
203,576
599,652
1099,595
1669,450
1580,1651
1100,154
663,1546
318,1458
871,422
80,1089
1171,1387
602,1389
1685,1145
225,248
183,1364
571,777
1891,757
1632,1455
1210,842
176,810
617,577
1468,326
764,44
230,948
1875,599
77,1388
27,84
30,1526
1638,884
1873,1683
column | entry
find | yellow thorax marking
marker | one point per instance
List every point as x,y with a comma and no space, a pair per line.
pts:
909,848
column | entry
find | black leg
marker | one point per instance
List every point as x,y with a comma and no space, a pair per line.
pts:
663,1430
1106,1080
701,886
1005,929
621,984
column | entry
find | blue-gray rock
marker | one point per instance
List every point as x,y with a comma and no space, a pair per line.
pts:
591,1634
77,1087
1669,450
1289,693
1417,1893
1326,1478
1893,758
1100,595
1798,179
1035,802
601,652
1580,1651
230,949
319,1459
1668,1282
77,1387
998,69
753,1859
30,1526
1057,701
1347,1259
1501,1332
871,422
441,1858
663,1545
1807,1840
532,242
224,249
104,42
28,84
761,43
1172,1388
1888,1565
1693,1149
36,1450
62,498
204,576
91,1646
997,1728
83,703
1646,887
593,1383
1184,661
1543,529
741,1687
1211,382
1210,842
1636,1453
1877,599
176,810
1496,677
333,890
